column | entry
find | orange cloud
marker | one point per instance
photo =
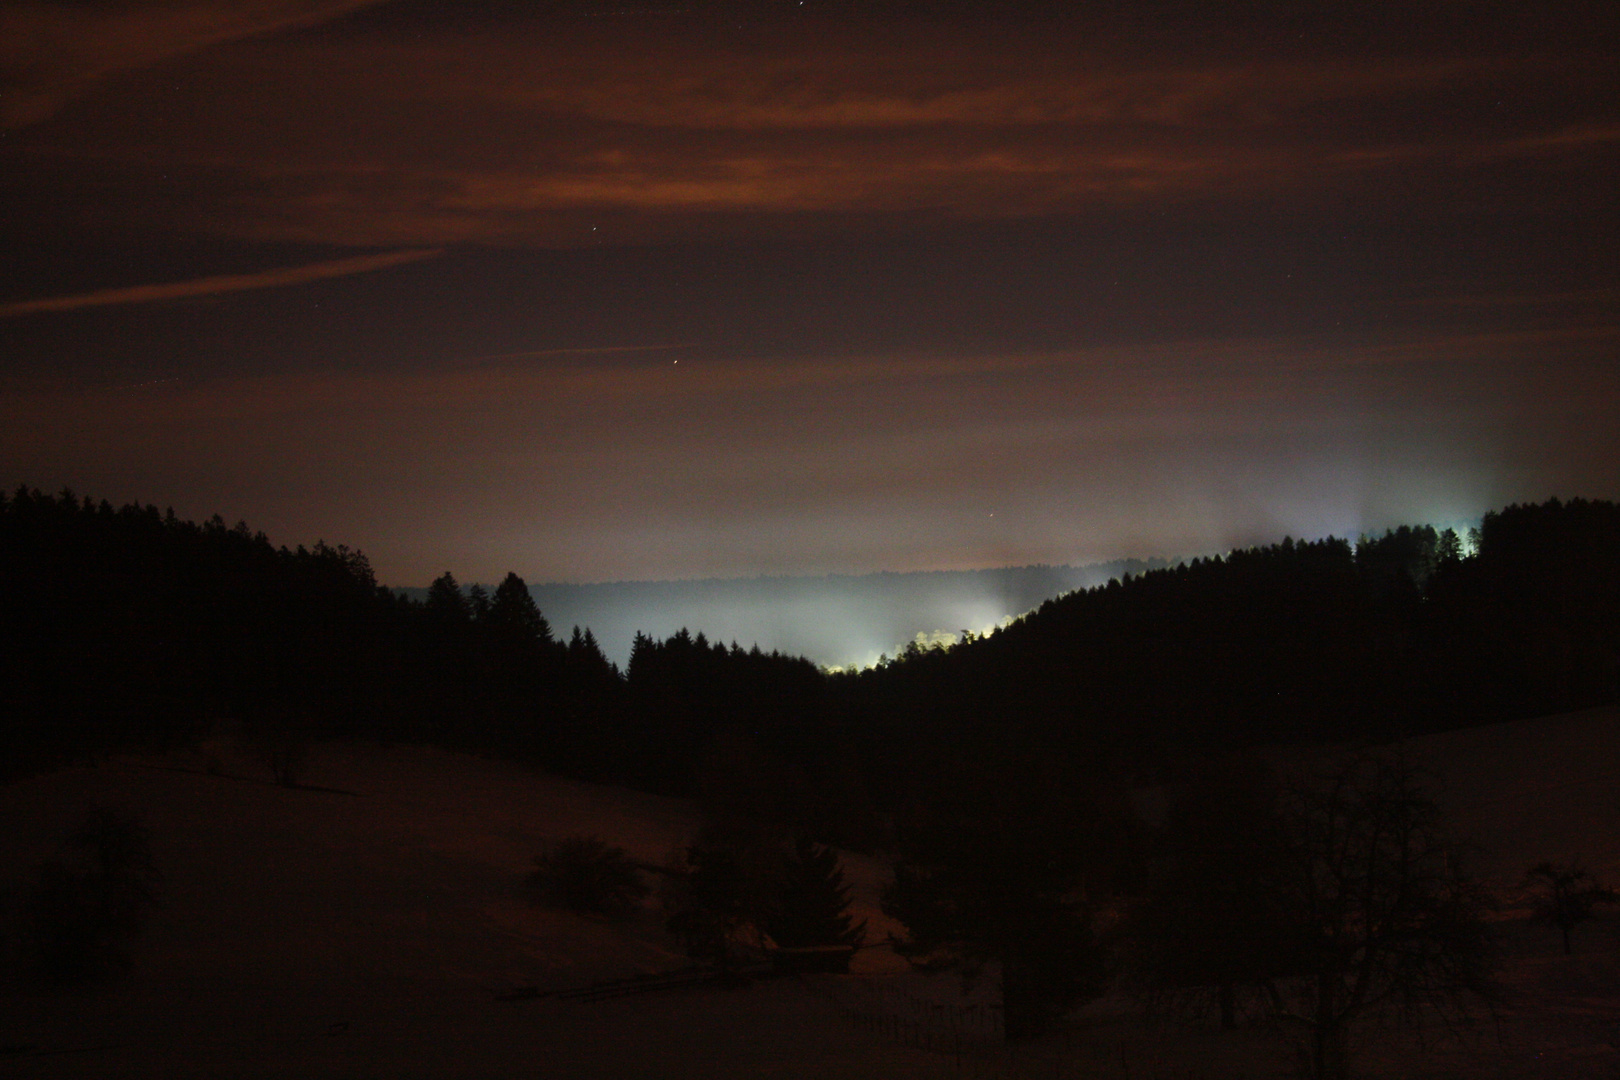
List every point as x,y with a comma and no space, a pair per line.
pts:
222,283
640,131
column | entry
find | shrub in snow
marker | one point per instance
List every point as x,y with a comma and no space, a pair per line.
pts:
586,876
86,905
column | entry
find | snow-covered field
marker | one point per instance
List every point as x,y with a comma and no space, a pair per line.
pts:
365,924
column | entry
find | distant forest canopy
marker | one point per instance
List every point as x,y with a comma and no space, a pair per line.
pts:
127,627
836,620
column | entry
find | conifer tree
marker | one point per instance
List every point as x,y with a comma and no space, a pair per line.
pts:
513,612
445,600
813,906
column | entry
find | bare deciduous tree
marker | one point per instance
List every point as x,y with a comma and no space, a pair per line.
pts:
1568,895
1387,925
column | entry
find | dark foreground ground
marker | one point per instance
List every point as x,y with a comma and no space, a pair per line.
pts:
368,924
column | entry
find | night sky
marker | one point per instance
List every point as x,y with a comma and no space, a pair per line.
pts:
633,289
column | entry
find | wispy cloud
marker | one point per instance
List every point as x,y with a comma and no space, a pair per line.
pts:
53,53
221,283
583,350
1606,297
572,133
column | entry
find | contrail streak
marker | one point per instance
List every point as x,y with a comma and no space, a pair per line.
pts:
222,283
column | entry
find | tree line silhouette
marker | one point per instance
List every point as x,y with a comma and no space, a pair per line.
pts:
1298,642
128,626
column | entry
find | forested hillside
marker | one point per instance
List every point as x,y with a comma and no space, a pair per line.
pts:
1301,641
127,627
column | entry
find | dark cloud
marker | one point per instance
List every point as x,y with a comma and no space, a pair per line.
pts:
54,53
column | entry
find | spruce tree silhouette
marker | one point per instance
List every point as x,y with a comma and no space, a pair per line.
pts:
446,601
811,909
514,615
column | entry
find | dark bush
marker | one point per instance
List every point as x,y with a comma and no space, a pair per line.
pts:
587,876
88,904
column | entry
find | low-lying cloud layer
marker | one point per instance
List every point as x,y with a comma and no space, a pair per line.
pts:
610,468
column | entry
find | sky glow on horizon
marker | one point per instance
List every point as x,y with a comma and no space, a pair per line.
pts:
727,290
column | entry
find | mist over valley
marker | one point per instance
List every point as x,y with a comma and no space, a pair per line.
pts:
841,620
